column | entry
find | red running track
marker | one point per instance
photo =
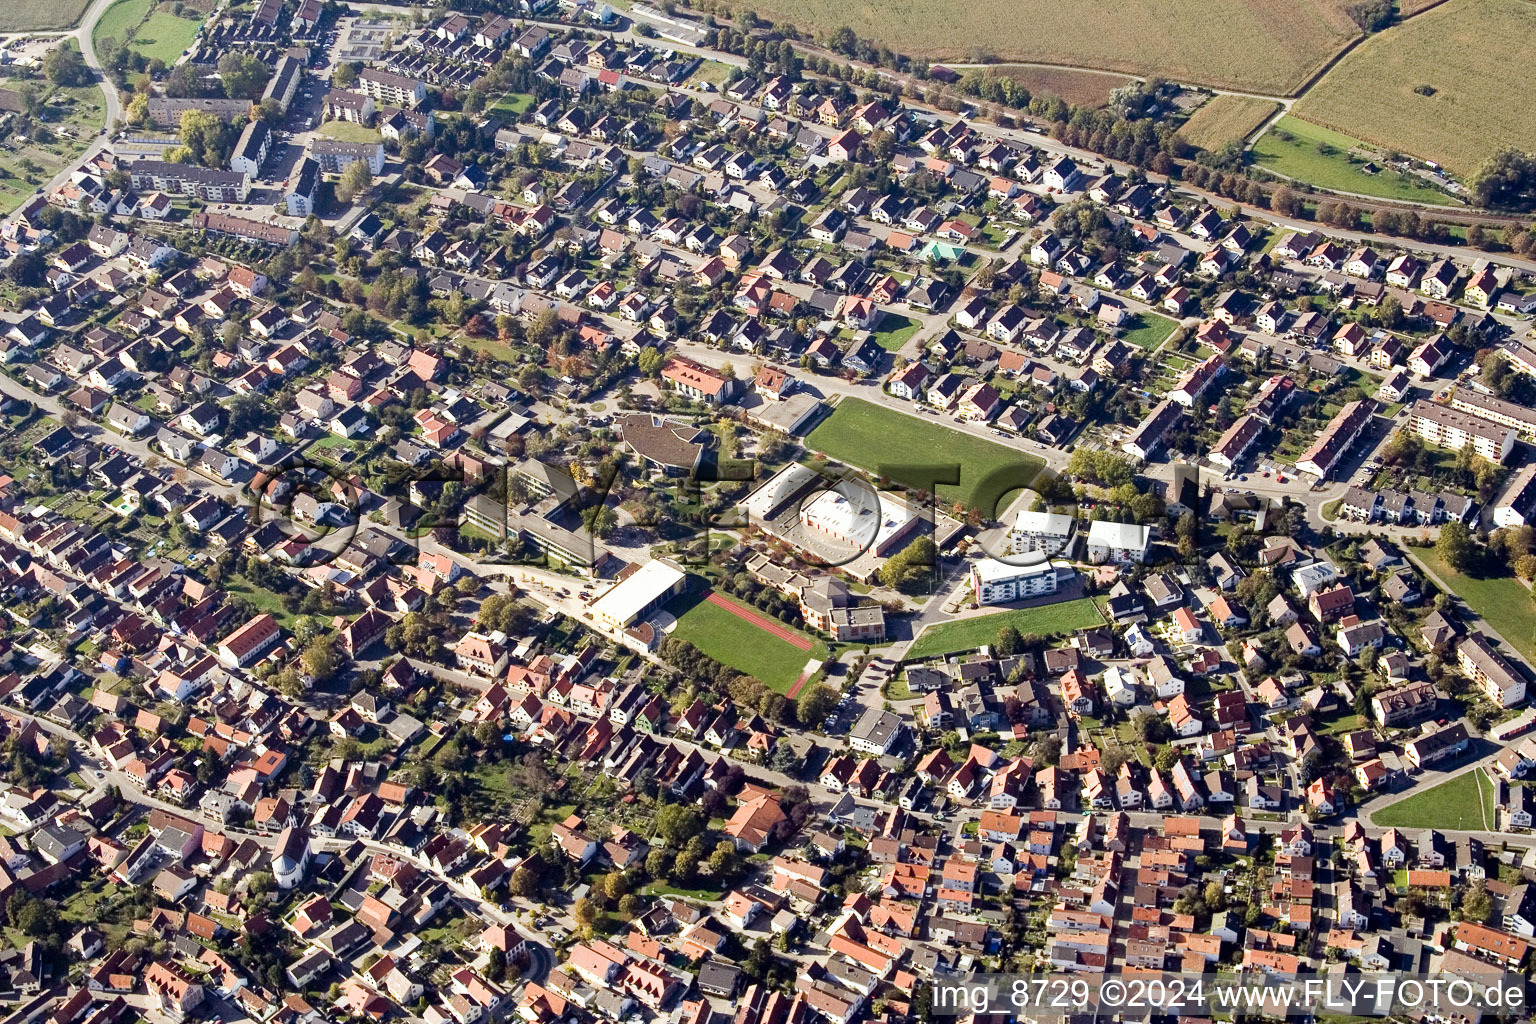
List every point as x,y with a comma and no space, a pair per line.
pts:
742,612
798,683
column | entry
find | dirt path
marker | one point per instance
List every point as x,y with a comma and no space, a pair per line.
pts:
767,625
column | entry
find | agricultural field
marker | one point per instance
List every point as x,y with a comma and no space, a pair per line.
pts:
1226,119
42,17
1503,601
349,131
165,36
866,435
732,640
1465,802
1436,86
1304,151
966,634
1079,88
1253,45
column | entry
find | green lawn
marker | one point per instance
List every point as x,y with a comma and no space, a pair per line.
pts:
668,889
349,131
910,450
260,598
1321,157
120,20
733,641
1147,330
894,331
1344,724
1456,804
512,104
165,35
966,634
1503,601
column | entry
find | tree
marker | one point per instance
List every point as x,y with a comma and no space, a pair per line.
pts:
585,912
243,75
321,658
1476,904
814,704
1149,727
678,823
524,882
649,361
911,566
1507,178
207,139
1456,546
599,520
63,65
354,181
345,76
1008,642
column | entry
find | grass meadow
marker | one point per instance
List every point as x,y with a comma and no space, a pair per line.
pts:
1307,152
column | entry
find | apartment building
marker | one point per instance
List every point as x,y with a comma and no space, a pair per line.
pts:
1453,429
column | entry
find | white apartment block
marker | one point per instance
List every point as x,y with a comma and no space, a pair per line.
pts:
1118,542
1050,532
995,582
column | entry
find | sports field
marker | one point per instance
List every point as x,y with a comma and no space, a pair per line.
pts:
967,634
1226,119
893,444
1465,802
1304,151
724,635
1441,86
16,16
1253,45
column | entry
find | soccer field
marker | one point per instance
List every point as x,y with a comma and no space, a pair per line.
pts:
909,450
732,640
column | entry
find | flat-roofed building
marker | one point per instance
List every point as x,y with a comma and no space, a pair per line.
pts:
854,513
1050,532
640,593
996,582
1118,542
